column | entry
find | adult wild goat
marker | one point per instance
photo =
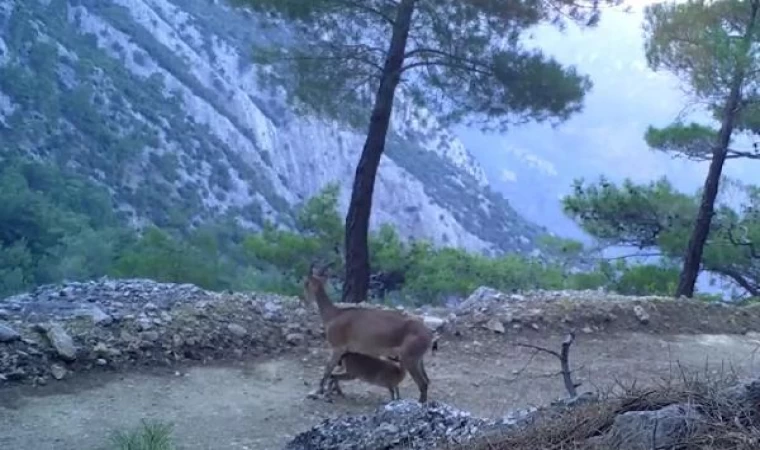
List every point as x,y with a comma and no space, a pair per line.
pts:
374,332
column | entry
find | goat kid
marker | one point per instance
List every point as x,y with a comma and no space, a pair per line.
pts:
376,371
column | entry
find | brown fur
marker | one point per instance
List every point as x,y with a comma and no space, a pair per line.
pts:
370,331
377,371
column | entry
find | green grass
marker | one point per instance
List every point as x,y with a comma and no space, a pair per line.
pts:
150,435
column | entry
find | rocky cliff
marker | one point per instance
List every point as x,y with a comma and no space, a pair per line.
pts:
158,101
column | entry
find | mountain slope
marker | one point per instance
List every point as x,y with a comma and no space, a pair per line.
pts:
157,101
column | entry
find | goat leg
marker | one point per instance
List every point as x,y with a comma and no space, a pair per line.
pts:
334,387
415,369
331,364
395,394
334,378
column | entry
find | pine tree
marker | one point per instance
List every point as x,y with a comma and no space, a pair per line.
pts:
463,60
712,47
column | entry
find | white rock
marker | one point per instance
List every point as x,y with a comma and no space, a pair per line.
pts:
61,341
432,322
237,330
295,338
495,325
641,314
58,371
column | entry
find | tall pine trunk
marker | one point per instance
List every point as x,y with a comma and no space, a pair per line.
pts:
693,257
356,284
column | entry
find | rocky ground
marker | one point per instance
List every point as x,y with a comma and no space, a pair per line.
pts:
58,332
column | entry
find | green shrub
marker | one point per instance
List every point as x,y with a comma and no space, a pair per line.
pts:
648,279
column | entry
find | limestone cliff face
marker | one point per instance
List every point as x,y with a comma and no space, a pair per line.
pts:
158,100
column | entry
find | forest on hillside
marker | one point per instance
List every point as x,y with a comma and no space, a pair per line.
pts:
56,224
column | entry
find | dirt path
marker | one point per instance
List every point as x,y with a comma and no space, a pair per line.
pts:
260,405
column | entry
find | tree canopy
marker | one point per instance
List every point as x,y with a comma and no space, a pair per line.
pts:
712,47
463,59
657,219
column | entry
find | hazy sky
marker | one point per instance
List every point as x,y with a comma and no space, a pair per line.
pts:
607,138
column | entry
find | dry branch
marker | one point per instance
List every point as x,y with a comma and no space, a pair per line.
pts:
564,359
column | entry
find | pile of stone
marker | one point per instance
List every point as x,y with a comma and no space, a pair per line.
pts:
58,329
401,424
594,311
103,300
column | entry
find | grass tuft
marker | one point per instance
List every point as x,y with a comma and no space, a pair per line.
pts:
150,435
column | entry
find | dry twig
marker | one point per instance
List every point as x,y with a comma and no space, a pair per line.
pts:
564,359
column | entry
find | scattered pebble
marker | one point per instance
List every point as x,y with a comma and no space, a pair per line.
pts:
641,314
295,338
237,330
58,371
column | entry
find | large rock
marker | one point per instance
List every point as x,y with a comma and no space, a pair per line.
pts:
495,325
481,297
744,396
61,342
645,430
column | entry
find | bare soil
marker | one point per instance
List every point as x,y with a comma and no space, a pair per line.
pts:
261,404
